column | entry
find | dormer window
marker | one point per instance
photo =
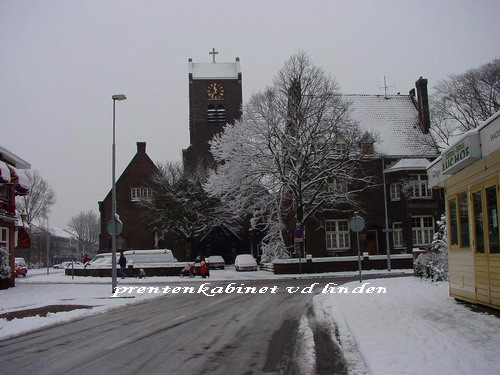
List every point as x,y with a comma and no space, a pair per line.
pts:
367,144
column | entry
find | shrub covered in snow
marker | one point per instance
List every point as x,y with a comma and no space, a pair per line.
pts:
434,263
4,263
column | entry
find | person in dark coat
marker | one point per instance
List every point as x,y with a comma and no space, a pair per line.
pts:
123,263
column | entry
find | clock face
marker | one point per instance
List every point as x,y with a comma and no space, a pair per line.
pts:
215,91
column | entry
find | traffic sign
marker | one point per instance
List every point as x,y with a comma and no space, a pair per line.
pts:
357,224
115,227
298,233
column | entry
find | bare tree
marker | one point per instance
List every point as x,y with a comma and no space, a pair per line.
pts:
461,102
38,203
293,153
86,226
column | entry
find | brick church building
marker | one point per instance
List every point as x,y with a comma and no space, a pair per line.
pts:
399,210
215,99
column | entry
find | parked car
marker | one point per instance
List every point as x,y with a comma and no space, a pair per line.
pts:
68,264
245,262
135,258
20,267
215,261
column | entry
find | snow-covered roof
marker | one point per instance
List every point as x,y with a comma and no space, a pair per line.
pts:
214,70
13,159
409,164
393,121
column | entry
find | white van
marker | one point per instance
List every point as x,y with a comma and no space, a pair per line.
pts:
136,258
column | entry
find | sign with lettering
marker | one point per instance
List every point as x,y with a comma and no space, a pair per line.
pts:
490,137
461,154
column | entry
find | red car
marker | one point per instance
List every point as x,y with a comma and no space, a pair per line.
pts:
21,268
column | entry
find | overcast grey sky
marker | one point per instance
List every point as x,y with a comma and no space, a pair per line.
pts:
62,60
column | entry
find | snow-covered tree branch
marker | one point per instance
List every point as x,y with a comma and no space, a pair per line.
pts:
180,206
294,153
461,102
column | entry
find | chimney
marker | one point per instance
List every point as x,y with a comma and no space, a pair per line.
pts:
423,104
141,147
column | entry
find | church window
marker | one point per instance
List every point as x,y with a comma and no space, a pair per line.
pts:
138,194
221,115
211,115
216,116
147,193
135,194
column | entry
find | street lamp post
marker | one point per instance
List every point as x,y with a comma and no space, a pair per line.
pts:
113,199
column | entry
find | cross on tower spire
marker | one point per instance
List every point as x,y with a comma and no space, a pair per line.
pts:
213,53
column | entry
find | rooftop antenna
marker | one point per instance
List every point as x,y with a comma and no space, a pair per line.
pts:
386,87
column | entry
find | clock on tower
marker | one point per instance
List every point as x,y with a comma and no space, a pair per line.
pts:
215,98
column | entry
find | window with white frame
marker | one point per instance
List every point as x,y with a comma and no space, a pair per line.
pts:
419,187
337,235
395,192
138,194
147,193
397,234
422,229
135,194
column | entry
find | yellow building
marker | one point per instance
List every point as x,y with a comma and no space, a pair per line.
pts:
469,171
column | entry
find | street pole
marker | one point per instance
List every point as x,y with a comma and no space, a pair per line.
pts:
48,244
113,197
388,249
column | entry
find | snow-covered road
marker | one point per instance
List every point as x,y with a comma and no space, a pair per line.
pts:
414,328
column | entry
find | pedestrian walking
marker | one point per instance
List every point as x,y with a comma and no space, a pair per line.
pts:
123,263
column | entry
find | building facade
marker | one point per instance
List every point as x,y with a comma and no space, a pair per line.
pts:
399,209
215,98
469,170
13,182
132,186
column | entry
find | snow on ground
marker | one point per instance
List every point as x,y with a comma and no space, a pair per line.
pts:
414,328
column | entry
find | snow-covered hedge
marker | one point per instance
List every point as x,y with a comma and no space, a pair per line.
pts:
434,263
4,263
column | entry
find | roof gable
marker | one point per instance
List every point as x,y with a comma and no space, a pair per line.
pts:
393,121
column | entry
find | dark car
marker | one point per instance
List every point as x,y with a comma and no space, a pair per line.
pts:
20,267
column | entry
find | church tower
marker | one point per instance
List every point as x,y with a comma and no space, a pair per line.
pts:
215,98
